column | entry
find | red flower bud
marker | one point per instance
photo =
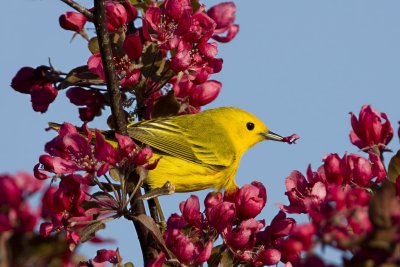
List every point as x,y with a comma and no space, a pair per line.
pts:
205,93
131,11
175,8
24,80
369,130
191,210
72,21
111,256
223,14
221,215
42,96
267,257
332,169
133,46
243,236
116,16
250,200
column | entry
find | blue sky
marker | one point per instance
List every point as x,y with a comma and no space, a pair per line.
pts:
301,66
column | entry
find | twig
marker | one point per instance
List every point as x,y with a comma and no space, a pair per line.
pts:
84,11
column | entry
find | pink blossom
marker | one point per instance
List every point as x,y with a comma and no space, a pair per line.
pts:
221,215
42,96
205,93
242,237
95,65
133,46
250,200
131,11
63,205
267,257
72,21
35,82
24,80
369,130
186,250
132,78
111,256
304,192
224,16
116,16
201,28
191,210
92,99
174,9
280,227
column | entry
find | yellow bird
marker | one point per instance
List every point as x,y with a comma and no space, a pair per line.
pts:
200,151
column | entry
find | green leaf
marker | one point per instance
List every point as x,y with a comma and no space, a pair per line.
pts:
89,231
93,45
115,175
80,76
226,259
394,167
195,5
128,264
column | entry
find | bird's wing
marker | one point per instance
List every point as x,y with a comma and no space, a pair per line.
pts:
181,140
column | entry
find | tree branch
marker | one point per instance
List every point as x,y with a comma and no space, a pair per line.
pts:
81,9
118,114
108,65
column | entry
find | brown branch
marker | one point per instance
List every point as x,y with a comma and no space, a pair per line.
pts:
137,206
81,9
108,65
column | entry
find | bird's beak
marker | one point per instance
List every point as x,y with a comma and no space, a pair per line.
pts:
272,136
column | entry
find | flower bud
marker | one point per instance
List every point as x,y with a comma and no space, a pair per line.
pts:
42,95
250,200
205,93
221,215
191,210
332,169
369,130
116,16
72,21
267,257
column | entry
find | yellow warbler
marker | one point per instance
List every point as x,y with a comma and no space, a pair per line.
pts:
199,151
202,150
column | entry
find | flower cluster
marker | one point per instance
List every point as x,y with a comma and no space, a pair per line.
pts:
74,150
339,199
191,236
39,83
171,50
19,219
15,212
63,207
79,157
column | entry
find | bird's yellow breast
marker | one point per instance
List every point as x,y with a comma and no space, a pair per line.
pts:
188,176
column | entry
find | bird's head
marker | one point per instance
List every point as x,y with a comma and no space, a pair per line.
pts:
246,130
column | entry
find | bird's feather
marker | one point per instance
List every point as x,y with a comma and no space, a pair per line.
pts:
181,138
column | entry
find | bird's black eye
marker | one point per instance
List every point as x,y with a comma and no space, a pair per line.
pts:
250,126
